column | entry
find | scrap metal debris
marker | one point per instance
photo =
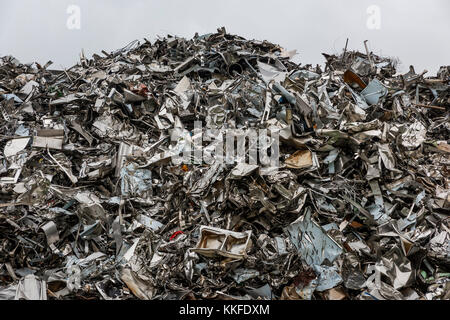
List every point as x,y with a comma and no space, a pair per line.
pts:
94,205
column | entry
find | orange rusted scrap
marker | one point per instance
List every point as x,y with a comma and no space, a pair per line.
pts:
350,77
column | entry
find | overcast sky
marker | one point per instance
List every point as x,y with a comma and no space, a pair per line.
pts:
417,32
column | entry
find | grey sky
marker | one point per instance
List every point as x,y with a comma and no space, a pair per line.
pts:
416,31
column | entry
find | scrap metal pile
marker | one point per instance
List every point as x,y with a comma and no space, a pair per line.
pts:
93,207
